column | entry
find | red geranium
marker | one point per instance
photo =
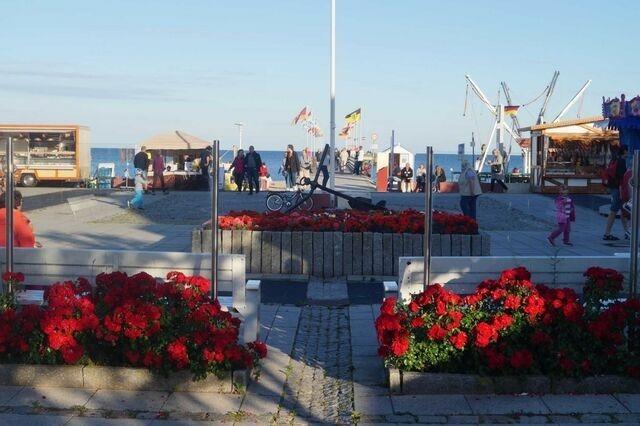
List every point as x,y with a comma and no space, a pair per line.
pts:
514,327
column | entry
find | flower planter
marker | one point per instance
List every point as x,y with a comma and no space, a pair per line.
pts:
333,254
121,378
411,383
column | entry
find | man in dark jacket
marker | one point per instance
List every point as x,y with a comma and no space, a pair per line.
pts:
141,161
205,162
614,192
252,163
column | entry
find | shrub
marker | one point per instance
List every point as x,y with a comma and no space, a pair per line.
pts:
128,321
406,221
511,326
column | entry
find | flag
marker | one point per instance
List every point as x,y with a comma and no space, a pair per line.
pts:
316,131
511,110
345,130
353,116
302,115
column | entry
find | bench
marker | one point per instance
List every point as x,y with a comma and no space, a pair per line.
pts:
45,266
462,274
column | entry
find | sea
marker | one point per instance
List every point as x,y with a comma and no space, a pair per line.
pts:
123,160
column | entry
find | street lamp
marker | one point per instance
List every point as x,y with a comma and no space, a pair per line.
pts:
240,133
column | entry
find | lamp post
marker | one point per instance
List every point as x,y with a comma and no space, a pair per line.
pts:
240,134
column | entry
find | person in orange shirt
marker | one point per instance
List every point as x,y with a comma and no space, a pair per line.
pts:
23,235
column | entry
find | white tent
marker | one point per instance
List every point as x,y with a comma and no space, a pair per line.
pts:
176,140
401,157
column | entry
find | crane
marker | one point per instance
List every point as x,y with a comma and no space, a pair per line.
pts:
549,91
498,126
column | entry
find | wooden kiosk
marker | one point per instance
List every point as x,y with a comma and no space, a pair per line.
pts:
571,153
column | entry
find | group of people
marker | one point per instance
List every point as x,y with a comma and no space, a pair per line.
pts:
619,184
404,177
248,166
294,167
141,162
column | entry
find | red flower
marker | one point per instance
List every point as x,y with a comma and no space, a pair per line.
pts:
459,340
485,334
436,332
521,359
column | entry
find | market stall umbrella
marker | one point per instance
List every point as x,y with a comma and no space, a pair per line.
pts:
176,140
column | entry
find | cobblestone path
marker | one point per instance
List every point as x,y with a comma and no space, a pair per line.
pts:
319,385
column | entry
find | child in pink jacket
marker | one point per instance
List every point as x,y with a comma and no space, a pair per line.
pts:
565,214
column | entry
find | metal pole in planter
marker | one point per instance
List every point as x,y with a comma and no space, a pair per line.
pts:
635,218
428,205
8,200
214,218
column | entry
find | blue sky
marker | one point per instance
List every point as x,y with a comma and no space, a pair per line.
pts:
133,69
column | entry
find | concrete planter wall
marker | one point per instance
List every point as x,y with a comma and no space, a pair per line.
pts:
121,378
333,254
443,383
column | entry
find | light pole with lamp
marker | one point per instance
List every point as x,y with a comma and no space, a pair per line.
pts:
240,134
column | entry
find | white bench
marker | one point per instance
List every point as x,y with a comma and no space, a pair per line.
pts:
45,266
462,274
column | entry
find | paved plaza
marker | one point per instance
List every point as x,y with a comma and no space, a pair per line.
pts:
322,366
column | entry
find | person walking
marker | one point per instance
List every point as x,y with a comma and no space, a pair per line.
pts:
158,173
205,163
613,184
291,168
470,189
141,162
138,185
237,169
306,161
357,165
565,214
324,169
252,165
406,176
497,170
264,177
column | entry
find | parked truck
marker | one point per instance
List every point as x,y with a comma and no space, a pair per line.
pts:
48,153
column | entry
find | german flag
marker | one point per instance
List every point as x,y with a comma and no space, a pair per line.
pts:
345,130
302,116
511,110
353,117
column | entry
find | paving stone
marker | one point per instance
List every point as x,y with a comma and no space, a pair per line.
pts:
51,397
8,392
596,418
630,401
526,419
563,419
463,420
569,404
432,420
32,420
128,400
506,404
633,418
430,404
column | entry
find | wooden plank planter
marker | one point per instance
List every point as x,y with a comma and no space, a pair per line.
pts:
333,254
117,378
412,383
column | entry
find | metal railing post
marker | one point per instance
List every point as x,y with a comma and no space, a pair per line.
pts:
428,207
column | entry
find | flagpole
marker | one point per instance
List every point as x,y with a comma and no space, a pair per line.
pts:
332,127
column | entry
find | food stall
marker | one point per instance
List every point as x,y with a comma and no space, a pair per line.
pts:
571,153
181,153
